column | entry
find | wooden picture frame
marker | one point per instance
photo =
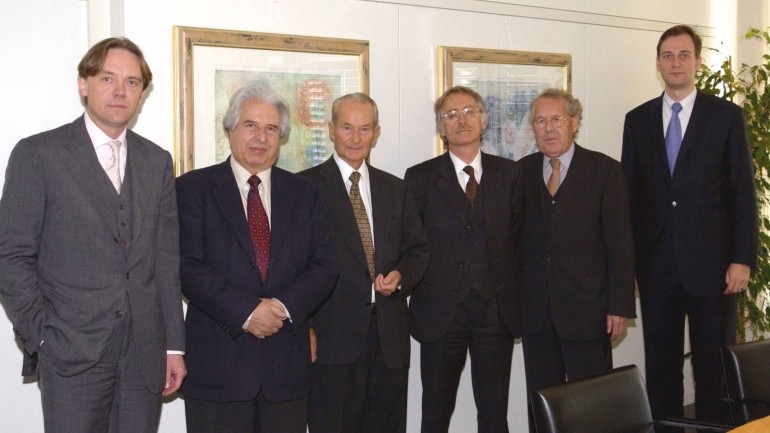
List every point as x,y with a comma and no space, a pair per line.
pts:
309,72
508,81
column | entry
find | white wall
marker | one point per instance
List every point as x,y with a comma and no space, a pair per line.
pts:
612,44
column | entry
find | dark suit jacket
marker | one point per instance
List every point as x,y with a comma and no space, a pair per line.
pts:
63,275
342,324
435,186
223,285
691,227
579,263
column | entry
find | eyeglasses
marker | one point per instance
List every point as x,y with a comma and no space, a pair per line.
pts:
454,115
556,121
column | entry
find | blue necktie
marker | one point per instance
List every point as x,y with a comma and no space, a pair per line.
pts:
673,136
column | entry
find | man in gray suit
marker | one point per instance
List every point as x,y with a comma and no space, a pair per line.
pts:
89,257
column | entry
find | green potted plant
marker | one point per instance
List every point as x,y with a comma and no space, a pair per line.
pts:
747,86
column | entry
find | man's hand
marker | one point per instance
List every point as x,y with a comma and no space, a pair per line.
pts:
313,345
175,373
387,285
736,278
616,326
266,319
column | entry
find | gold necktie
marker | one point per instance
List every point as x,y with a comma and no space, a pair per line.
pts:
555,180
359,210
113,170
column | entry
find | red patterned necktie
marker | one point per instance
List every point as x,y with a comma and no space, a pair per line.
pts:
259,226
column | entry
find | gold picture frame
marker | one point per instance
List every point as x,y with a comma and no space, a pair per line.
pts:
309,72
508,81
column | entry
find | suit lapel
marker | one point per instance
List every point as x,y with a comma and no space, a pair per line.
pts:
491,187
88,174
695,127
654,125
450,187
338,202
138,162
228,197
281,204
534,184
381,197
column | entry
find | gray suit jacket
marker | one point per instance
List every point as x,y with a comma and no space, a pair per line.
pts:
64,277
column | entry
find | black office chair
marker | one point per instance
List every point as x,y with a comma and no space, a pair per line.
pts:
747,380
612,402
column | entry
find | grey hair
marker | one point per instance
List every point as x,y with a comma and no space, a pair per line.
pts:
439,104
356,97
264,94
573,105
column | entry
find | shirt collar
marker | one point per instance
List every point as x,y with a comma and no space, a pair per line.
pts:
687,102
242,175
459,164
565,159
98,137
346,169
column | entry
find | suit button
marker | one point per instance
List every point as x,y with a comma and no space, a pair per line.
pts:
673,203
548,257
468,226
454,291
461,264
119,314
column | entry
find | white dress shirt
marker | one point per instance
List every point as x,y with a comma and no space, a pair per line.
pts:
459,164
684,116
364,187
100,140
242,180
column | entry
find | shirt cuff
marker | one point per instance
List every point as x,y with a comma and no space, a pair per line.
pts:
288,315
174,352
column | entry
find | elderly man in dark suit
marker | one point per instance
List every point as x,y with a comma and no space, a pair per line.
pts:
255,263
694,215
467,302
577,258
361,375
89,257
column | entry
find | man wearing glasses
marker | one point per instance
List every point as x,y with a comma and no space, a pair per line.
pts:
467,301
576,279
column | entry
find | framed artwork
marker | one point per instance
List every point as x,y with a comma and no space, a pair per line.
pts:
309,72
508,81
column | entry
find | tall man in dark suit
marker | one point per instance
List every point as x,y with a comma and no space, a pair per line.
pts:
694,215
360,377
577,258
89,257
255,263
467,301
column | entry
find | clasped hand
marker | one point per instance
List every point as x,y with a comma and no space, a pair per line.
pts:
267,318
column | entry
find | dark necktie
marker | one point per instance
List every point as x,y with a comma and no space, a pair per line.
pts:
259,226
472,187
555,180
359,210
673,136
